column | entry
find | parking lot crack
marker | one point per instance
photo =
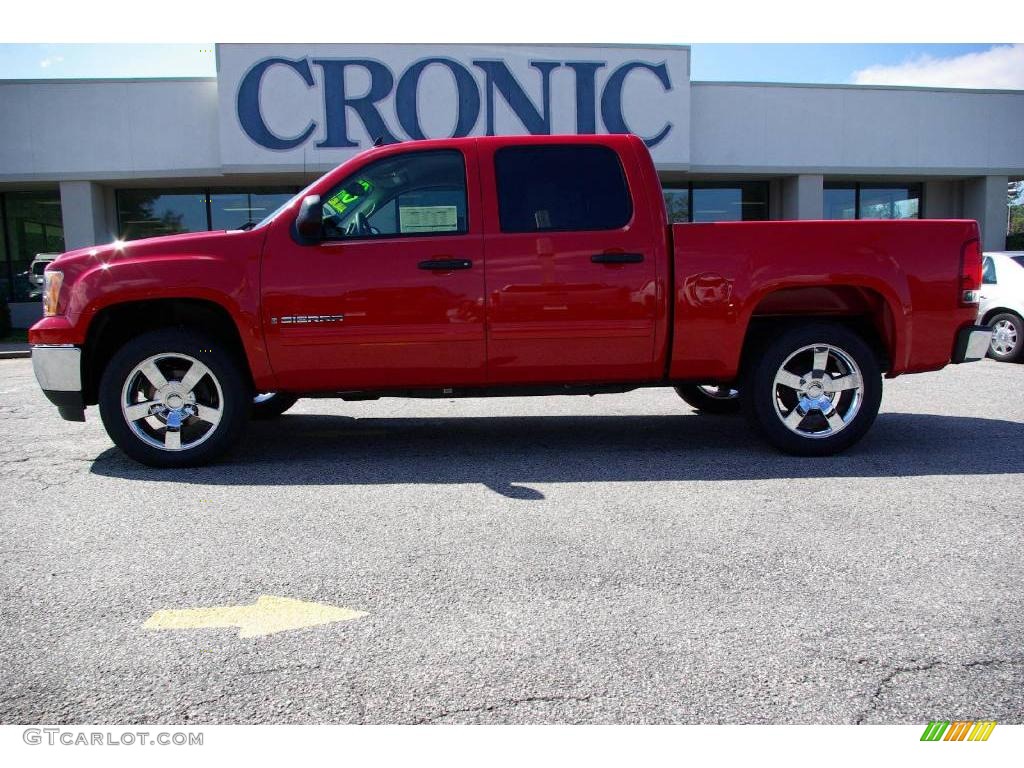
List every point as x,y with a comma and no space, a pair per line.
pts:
894,671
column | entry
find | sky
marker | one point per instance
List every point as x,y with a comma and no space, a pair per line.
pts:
964,66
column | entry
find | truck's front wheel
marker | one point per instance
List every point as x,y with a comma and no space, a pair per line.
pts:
815,390
174,398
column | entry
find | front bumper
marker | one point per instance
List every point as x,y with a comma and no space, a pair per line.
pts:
58,369
971,343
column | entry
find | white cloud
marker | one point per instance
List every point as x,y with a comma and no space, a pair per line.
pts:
1001,66
49,61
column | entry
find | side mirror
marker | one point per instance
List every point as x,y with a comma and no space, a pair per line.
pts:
309,222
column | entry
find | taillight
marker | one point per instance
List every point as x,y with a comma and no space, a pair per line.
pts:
970,273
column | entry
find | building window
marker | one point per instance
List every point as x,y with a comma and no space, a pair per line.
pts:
855,200
677,204
700,201
6,268
840,202
890,201
32,224
153,212
232,209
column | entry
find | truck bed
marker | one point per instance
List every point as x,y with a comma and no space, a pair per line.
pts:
901,276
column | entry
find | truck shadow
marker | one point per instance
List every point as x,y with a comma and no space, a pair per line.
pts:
507,454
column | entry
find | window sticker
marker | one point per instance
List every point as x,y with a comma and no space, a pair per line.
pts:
428,218
340,202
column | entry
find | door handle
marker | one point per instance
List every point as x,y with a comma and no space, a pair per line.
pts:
617,258
445,265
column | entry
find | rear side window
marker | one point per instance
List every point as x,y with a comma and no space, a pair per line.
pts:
554,188
988,274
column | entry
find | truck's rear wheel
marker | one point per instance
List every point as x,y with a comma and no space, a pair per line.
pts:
710,398
174,398
815,390
270,405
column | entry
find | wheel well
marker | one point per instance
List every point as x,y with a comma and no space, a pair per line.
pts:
118,324
862,310
997,311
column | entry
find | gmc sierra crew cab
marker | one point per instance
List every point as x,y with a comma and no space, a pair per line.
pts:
502,266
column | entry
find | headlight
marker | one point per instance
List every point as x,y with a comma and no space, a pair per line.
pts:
52,281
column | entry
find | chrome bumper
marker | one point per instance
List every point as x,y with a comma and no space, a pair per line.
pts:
58,369
971,344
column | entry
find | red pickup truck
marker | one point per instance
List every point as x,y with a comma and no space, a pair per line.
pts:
502,266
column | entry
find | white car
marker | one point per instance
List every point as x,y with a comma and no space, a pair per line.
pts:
35,273
1002,303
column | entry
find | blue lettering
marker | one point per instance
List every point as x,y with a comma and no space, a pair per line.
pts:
536,117
611,99
405,98
498,76
251,118
586,72
337,102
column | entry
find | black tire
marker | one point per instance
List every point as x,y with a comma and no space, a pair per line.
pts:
223,390
1012,345
725,401
764,400
270,405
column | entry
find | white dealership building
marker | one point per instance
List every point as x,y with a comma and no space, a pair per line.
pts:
86,161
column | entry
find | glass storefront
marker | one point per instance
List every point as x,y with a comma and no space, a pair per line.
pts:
853,200
6,270
152,212
890,201
717,201
30,222
231,209
729,201
32,225
840,202
677,204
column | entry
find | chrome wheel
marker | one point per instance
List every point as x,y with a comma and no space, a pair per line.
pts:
171,401
818,391
1004,338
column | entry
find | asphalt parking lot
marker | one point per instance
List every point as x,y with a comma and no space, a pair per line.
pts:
606,559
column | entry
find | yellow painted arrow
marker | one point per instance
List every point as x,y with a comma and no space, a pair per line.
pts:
266,616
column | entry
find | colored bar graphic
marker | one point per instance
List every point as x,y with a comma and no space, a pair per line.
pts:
982,730
958,730
934,730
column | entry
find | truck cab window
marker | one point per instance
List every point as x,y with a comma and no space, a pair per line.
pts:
416,193
550,187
